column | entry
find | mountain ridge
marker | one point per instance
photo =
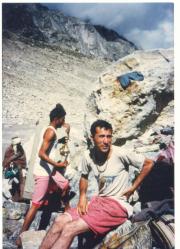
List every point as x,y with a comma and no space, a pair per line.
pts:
40,24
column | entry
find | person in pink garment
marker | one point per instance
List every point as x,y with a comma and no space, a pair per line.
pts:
45,166
110,208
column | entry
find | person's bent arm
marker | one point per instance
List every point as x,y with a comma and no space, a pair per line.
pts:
83,203
147,167
48,139
8,158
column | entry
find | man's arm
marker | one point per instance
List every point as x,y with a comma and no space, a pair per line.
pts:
147,166
21,161
48,139
82,204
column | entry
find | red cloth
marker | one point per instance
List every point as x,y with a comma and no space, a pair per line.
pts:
103,214
19,159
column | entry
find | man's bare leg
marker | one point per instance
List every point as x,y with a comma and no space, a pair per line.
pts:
69,231
55,231
27,221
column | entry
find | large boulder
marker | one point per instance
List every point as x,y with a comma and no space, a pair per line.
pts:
133,110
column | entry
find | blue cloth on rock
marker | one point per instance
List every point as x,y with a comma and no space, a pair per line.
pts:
125,79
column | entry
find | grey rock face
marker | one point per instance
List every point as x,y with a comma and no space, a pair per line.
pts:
13,215
35,23
10,206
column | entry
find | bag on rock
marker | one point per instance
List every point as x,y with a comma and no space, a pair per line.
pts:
139,237
163,231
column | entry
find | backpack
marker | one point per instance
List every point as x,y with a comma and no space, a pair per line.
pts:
139,237
163,231
126,236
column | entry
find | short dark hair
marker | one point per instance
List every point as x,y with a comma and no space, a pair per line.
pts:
102,124
57,112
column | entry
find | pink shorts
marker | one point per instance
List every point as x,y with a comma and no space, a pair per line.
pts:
104,214
42,186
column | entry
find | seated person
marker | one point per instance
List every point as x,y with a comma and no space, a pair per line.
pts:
110,165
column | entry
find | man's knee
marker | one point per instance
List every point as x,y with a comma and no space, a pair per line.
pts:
60,222
69,230
74,228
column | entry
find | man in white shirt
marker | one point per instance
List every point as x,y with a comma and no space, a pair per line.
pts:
45,164
110,165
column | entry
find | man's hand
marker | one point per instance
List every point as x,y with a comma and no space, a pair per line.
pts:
82,205
128,192
62,164
63,140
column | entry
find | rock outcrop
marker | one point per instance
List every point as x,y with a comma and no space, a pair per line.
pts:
133,110
36,24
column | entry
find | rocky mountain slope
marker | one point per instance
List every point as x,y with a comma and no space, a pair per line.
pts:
35,79
37,75
36,24
49,58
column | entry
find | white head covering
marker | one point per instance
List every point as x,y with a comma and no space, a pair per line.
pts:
16,140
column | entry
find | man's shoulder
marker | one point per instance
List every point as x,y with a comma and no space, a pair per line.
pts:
49,131
120,149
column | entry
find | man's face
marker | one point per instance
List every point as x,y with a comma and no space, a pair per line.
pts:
102,139
60,122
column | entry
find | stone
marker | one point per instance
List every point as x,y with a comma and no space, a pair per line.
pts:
32,239
135,109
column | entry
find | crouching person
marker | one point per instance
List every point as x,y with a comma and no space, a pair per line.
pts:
110,165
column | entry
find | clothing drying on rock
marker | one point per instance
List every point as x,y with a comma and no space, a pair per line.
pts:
167,131
126,79
166,153
165,138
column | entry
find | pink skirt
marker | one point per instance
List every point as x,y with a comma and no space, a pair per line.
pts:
104,214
